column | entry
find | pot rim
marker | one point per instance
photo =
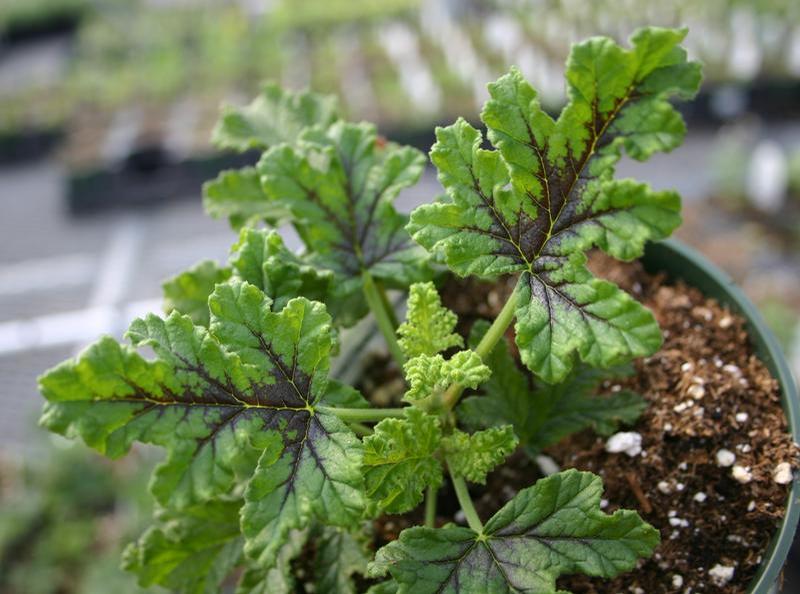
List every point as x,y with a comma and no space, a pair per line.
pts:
693,268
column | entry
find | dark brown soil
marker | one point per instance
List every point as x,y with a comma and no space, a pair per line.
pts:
703,377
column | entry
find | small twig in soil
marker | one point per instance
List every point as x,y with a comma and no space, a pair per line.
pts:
637,490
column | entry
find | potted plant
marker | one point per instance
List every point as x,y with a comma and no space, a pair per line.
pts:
280,478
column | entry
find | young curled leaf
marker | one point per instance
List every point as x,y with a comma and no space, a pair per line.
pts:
429,326
555,527
473,456
275,116
546,194
400,460
429,375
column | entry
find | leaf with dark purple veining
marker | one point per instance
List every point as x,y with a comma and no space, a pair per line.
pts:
545,194
234,405
553,528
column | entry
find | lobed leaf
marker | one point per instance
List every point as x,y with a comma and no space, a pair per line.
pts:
261,258
237,195
546,194
543,414
188,291
242,413
553,528
275,116
339,185
280,578
430,375
429,326
400,460
191,552
474,455
340,555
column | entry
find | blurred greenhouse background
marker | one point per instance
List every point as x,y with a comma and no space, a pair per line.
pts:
106,110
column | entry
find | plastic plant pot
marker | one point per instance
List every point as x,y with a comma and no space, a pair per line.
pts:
681,262
678,261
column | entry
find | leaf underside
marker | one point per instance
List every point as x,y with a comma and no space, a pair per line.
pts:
553,528
546,194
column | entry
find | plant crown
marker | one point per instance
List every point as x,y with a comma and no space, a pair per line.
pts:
270,459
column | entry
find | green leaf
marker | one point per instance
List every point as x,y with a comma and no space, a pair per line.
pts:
546,194
340,555
543,414
279,579
474,456
242,413
261,258
237,195
553,528
275,116
191,552
429,327
400,462
188,291
339,185
430,375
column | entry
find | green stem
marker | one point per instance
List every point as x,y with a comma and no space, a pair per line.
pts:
360,429
430,506
387,304
382,317
357,415
465,501
485,347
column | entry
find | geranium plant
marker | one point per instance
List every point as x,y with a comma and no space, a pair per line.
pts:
272,466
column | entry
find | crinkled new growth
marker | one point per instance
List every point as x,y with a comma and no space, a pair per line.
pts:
473,456
429,327
553,528
430,375
400,460
546,194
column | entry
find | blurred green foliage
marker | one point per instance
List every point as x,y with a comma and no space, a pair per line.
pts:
64,520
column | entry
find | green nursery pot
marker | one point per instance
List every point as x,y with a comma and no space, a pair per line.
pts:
681,262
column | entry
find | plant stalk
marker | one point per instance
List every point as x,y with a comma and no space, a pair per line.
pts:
430,506
360,429
380,309
358,415
387,304
465,501
485,347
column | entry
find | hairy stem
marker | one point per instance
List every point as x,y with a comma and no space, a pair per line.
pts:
380,310
495,332
357,415
465,501
430,506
